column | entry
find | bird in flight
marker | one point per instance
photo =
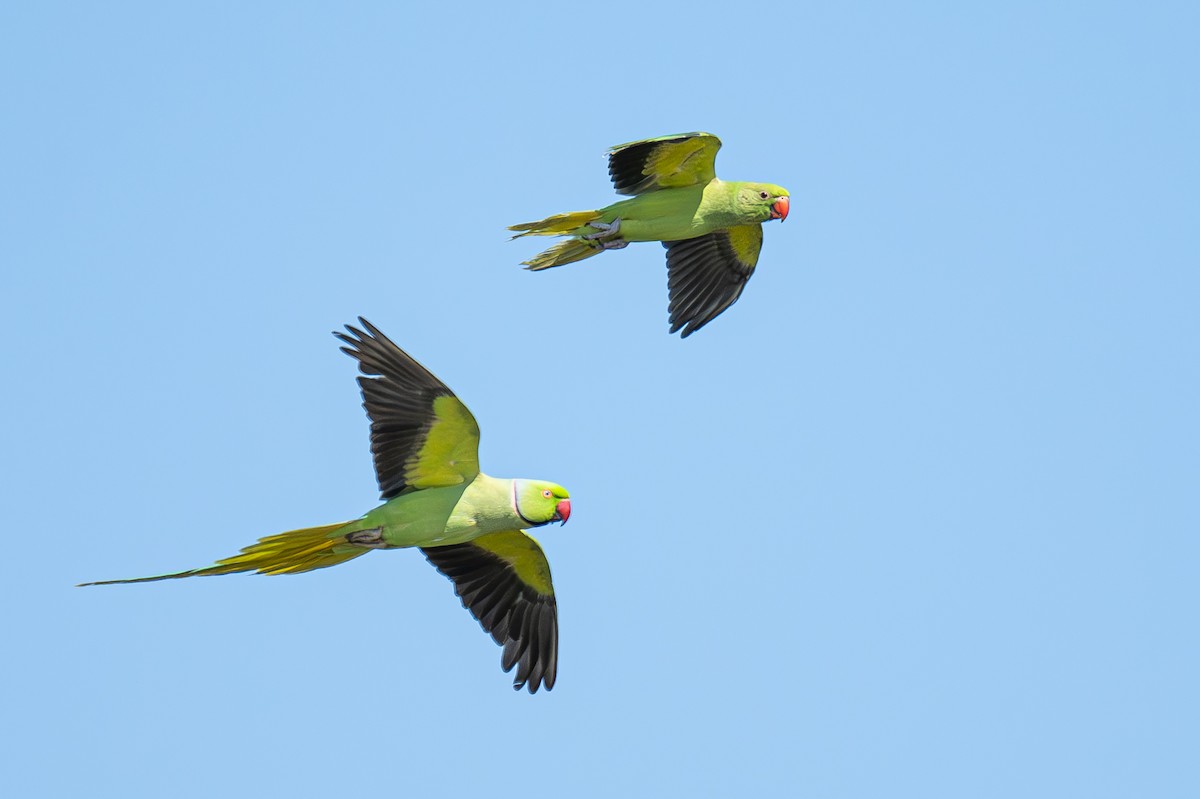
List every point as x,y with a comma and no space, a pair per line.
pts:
712,228
470,526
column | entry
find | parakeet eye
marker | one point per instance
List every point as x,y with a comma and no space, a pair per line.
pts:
547,493
763,194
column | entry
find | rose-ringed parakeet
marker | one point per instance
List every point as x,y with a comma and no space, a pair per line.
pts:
712,229
470,526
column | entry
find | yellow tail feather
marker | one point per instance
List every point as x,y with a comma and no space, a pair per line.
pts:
565,252
285,553
557,225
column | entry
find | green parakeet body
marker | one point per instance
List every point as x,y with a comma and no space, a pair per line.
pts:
470,526
712,229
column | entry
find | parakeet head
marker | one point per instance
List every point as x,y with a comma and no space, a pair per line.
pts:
538,502
766,200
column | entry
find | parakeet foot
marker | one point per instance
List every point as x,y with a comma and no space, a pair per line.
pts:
604,230
606,234
371,539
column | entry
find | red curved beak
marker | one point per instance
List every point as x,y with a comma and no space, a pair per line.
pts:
562,511
780,209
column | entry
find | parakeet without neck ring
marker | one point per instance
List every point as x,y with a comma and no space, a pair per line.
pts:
712,229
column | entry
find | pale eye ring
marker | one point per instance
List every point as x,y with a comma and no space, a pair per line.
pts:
763,194
547,493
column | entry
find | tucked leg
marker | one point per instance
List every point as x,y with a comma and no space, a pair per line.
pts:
604,231
371,539
606,235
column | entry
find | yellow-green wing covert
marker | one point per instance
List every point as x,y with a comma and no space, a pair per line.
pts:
706,275
682,159
503,579
422,436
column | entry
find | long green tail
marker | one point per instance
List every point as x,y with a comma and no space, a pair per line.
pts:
286,553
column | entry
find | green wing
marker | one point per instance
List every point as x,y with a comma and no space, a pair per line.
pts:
706,275
503,579
683,159
422,436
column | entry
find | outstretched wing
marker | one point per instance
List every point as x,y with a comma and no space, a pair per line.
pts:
422,436
504,580
683,159
705,275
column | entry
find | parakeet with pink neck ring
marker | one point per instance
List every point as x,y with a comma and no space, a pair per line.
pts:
471,526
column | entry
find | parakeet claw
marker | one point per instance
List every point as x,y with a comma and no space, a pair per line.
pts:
604,231
371,539
606,235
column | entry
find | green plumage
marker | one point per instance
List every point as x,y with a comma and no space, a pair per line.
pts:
676,197
425,444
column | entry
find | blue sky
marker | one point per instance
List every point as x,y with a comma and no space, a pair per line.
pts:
916,517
